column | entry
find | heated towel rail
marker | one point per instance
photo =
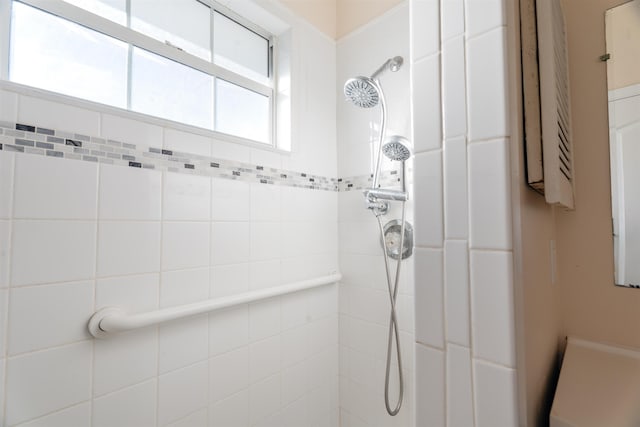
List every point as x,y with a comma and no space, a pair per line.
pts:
113,319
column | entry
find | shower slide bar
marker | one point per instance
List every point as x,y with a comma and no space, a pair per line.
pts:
109,320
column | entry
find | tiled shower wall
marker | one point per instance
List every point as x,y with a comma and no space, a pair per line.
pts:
465,345
78,235
364,299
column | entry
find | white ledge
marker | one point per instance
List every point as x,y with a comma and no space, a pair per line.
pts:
114,319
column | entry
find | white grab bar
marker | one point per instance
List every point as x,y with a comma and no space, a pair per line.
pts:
114,319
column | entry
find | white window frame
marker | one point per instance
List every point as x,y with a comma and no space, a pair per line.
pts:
67,11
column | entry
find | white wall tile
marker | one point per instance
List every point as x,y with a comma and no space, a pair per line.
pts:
130,193
456,205
492,307
196,419
263,398
52,251
264,319
429,227
489,196
182,392
264,358
484,15
429,299
54,115
487,86
131,131
229,279
295,414
39,383
48,316
452,18
184,287
427,110
228,374
425,26
265,202
55,188
459,387
232,411
266,158
231,151
183,342
456,261
294,382
264,274
266,238
495,393
231,200
131,293
430,386
359,237
186,197
78,415
186,142
5,252
185,245
8,106
124,360
230,243
128,248
6,184
228,329
4,304
133,406
453,87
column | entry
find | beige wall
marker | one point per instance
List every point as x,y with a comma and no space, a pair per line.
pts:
592,307
337,18
537,321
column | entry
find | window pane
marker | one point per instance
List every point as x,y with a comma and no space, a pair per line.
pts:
183,23
241,112
113,10
53,54
164,88
239,49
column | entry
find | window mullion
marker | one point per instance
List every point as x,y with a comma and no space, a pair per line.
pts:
129,57
215,78
5,37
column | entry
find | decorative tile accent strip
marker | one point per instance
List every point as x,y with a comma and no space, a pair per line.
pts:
29,139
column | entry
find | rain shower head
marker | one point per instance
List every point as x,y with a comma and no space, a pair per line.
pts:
397,148
362,92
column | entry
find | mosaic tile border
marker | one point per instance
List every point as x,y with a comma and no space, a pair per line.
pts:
30,139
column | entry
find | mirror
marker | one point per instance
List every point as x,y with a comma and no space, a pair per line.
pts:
622,25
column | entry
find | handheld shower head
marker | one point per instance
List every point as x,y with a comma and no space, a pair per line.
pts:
362,91
397,148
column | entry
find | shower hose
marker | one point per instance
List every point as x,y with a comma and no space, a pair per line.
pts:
393,286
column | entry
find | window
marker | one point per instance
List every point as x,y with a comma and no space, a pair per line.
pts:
209,68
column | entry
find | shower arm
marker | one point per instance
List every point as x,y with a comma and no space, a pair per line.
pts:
382,68
383,123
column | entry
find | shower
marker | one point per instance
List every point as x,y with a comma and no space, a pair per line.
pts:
396,237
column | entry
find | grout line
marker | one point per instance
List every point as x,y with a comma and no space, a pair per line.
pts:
92,362
483,32
163,183
7,323
492,363
54,412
